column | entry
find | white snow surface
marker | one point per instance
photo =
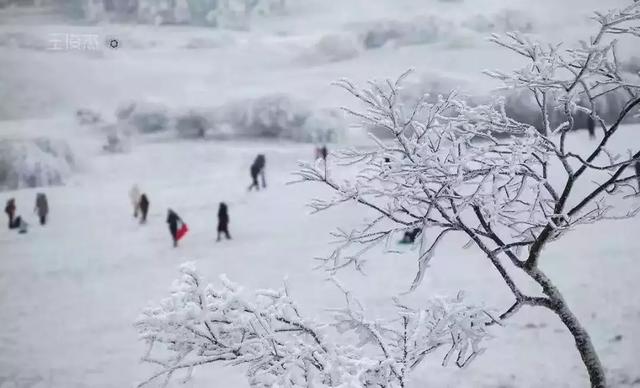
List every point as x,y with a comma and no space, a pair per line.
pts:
70,291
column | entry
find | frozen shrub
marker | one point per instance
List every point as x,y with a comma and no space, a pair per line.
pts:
276,116
323,126
333,48
280,116
118,139
380,33
144,117
87,116
192,124
419,30
504,21
34,163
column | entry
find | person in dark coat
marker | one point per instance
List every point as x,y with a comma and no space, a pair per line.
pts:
42,207
410,236
591,126
144,208
174,222
637,168
223,221
10,210
324,152
257,169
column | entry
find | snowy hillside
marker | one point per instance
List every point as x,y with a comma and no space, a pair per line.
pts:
71,290
192,107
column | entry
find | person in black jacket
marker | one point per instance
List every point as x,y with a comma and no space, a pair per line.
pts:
324,152
10,210
223,221
174,221
591,127
42,207
257,169
143,204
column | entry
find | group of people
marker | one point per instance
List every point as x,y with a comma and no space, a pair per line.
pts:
177,227
18,222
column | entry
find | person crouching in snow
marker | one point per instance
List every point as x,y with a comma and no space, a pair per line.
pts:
257,169
223,221
177,227
22,225
410,236
134,196
144,208
42,207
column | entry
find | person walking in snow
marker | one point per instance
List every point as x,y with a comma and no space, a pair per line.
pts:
177,227
223,221
10,210
42,207
257,169
144,208
591,127
134,196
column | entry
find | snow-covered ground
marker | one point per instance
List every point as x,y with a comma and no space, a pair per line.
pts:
70,291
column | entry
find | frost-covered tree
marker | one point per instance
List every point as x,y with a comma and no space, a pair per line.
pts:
200,324
452,167
449,167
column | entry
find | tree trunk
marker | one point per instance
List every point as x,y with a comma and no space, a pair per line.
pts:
583,342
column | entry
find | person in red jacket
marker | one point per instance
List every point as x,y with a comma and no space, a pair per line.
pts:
177,227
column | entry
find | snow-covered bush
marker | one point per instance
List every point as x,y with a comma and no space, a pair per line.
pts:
87,116
193,124
506,20
333,48
280,116
237,14
118,139
324,126
145,117
418,30
265,332
34,163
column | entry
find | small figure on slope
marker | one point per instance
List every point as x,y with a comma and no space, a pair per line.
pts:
591,127
410,236
42,207
177,227
257,169
143,204
223,221
10,210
